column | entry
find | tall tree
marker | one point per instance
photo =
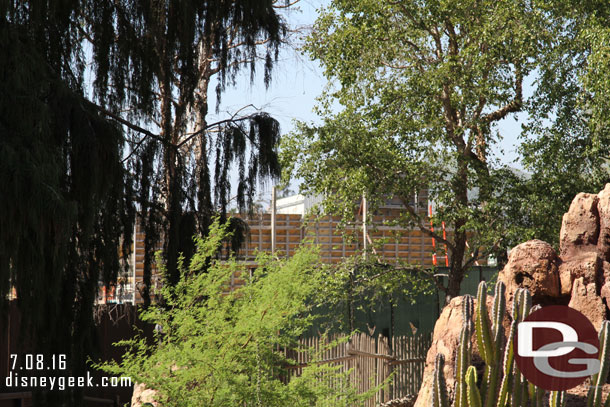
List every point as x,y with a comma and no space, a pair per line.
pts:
566,142
422,87
74,168
159,59
66,199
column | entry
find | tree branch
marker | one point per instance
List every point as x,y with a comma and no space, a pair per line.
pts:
514,106
423,228
125,123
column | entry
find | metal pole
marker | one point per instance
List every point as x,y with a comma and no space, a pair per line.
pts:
133,259
273,213
364,231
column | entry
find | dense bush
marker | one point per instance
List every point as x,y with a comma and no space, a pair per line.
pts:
222,348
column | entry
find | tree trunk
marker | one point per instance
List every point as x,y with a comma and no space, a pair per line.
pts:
456,266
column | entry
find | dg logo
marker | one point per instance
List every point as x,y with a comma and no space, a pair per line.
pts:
557,348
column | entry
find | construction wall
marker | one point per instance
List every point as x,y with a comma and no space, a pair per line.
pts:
392,243
336,241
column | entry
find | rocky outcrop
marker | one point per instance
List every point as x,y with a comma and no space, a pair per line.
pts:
585,265
579,276
583,260
580,226
143,397
445,341
585,299
532,265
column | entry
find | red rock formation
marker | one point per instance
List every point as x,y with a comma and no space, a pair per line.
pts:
580,275
532,265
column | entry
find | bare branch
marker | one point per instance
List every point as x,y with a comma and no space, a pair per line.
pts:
276,6
232,119
124,122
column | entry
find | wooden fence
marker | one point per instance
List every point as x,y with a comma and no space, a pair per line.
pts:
369,361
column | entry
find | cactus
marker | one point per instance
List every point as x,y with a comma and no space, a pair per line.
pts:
439,388
474,398
463,354
557,399
597,380
502,384
507,368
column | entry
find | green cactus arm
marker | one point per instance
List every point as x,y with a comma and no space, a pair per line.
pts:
525,304
463,353
493,380
536,395
598,379
499,307
516,393
482,326
462,363
439,388
474,398
516,304
525,395
507,379
557,399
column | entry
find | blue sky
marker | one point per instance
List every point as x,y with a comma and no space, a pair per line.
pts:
297,82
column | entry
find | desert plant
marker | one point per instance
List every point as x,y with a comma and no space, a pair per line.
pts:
502,383
223,348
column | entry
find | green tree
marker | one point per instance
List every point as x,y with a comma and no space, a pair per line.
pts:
566,141
223,347
422,87
154,65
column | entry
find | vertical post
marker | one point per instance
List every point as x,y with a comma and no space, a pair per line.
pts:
364,231
273,210
133,259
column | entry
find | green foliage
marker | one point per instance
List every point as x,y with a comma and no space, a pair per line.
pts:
71,177
359,283
421,86
421,89
219,348
566,141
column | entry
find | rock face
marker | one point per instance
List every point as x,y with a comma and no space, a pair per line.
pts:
603,209
579,277
142,395
585,299
532,265
446,339
585,265
580,226
584,256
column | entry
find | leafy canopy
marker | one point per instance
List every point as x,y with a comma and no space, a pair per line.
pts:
421,86
566,141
